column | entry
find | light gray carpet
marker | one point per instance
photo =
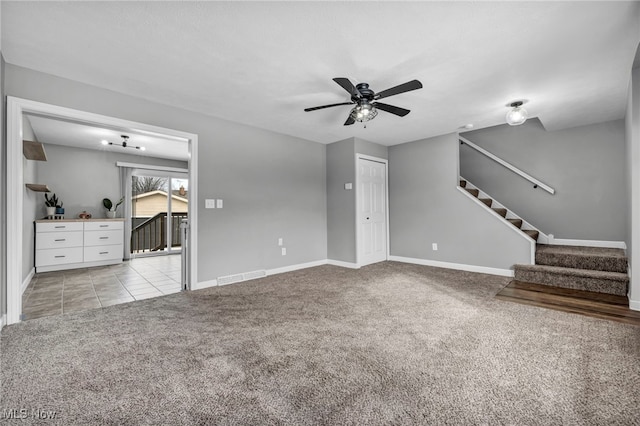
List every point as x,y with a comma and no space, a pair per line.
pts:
387,344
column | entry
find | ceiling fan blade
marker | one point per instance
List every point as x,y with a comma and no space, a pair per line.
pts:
392,109
328,106
406,87
349,121
346,84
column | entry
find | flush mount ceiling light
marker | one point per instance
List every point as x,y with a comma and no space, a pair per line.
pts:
516,115
124,143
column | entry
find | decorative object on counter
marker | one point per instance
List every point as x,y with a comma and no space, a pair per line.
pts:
54,207
84,215
111,208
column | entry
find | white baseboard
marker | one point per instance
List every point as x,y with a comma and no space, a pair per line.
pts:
27,280
458,266
297,267
343,264
3,321
634,305
275,271
205,284
586,243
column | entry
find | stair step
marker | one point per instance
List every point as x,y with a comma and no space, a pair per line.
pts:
473,192
595,258
502,212
487,201
533,234
516,222
578,279
463,183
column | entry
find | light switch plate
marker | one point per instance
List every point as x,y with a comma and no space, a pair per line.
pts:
280,242
209,204
219,203
348,186
284,251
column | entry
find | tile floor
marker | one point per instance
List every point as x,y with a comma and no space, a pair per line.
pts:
54,293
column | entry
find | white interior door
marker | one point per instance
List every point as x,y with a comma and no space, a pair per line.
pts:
371,211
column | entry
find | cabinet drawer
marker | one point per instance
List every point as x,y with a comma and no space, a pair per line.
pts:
95,253
103,238
59,226
59,256
103,226
50,240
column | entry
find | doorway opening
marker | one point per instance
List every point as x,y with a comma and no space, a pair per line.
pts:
19,267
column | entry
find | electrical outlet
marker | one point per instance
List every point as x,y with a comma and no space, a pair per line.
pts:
284,251
219,203
434,246
209,204
280,242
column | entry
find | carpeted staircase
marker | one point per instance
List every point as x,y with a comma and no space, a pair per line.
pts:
592,269
595,269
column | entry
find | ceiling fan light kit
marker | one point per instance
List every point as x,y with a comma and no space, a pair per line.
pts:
364,112
516,115
366,100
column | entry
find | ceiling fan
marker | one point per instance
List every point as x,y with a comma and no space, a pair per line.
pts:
366,100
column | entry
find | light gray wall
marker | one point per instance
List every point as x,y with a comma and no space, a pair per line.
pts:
426,207
632,144
81,178
341,203
585,165
272,185
369,148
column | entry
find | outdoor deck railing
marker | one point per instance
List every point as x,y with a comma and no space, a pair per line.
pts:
151,234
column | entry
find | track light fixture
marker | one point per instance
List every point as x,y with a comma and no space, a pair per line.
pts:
124,144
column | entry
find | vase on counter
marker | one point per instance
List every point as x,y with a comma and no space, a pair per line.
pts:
111,214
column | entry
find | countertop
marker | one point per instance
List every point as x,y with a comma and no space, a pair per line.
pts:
117,219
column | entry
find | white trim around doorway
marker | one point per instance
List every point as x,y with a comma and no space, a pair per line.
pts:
386,184
15,184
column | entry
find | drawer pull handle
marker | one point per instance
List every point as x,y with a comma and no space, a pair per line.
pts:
61,239
104,226
60,227
104,252
104,238
58,257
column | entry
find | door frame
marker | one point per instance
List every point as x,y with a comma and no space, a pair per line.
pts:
16,107
386,202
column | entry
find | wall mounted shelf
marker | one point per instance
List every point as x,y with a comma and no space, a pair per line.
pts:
33,151
37,187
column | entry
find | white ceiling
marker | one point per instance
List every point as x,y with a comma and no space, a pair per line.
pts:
78,135
262,63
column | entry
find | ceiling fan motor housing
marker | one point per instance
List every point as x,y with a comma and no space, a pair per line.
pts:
365,92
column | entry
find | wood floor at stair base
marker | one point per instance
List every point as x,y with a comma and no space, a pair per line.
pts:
609,307
597,283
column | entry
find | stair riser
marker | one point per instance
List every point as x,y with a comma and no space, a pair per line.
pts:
595,263
599,285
